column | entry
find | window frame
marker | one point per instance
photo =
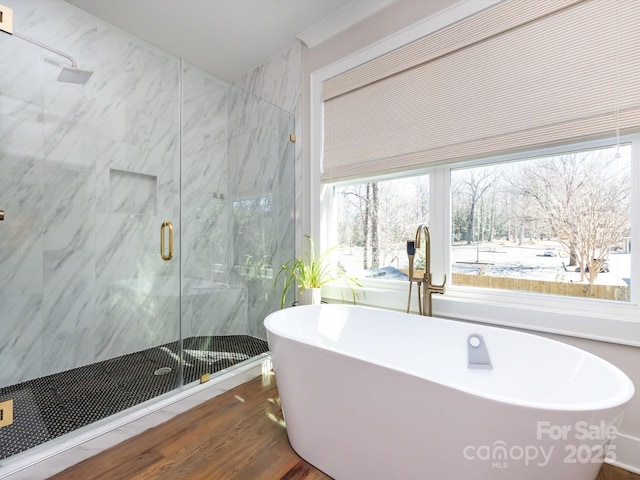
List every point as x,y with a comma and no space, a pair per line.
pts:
587,318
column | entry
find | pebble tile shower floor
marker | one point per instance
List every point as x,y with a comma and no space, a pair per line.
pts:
48,407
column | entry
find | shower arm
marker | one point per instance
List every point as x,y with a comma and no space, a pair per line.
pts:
47,47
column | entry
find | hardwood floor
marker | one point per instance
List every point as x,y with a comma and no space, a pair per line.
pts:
609,472
238,435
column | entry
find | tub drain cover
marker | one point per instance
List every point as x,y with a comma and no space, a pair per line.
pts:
162,371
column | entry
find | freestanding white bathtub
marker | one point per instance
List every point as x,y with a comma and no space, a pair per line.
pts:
374,394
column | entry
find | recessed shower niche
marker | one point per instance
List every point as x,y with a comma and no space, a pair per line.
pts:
132,192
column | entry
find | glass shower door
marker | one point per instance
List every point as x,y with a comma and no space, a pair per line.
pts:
237,210
97,316
90,311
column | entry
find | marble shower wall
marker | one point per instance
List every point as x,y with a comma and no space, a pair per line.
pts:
211,303
90,172
247,198
245,193
266,194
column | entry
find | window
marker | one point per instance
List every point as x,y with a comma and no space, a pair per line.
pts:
557,224
374,219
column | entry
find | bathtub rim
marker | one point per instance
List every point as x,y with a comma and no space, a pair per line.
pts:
617,400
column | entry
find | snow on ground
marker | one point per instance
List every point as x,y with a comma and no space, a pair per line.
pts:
513,261
530,262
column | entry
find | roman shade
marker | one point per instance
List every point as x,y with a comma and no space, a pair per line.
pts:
520,75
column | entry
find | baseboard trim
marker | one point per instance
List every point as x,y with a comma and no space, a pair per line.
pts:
627,453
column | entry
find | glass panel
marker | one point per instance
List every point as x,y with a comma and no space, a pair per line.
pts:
90,172
237,203
261,180
374,220
557,225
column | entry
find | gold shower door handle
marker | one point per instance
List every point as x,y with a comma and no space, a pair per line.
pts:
166,225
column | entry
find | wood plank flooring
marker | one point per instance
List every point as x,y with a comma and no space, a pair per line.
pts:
609,472
238,435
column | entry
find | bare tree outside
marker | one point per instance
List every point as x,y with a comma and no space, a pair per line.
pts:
561,219
358,225
471,186
585,203
376,219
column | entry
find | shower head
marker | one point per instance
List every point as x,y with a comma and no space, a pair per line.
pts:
68,74
74,75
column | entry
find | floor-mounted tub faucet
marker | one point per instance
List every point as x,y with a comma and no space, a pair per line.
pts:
428,289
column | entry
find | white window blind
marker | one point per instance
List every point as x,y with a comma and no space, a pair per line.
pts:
520,75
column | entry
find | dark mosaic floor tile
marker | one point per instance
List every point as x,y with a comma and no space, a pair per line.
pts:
51,406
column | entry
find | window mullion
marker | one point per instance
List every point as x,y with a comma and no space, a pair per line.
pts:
439,200
635,219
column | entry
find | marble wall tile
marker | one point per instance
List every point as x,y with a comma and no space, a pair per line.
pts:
204,234
22,183
20,132
160,162
80,265
278,81
21,252
117,248
21,82
61,239
79,346
208,298
204,178
22,322
159,314
216,311
68,111
69,290
115,328
204,110
131,192
21,232
261,140
69,220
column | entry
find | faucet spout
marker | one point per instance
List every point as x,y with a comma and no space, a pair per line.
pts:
428,288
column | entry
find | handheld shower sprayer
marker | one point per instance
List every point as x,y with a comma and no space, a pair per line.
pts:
411,253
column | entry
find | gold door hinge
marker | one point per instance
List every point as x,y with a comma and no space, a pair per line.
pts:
6,19
6,413
292,137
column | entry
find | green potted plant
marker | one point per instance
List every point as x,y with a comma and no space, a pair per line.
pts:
310,273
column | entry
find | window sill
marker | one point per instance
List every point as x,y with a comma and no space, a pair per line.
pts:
613,322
